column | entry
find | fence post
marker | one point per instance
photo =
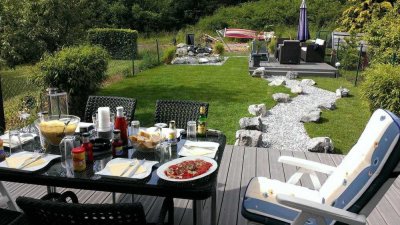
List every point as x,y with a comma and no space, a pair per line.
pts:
158,52
358,65
133,62
337,50
2,119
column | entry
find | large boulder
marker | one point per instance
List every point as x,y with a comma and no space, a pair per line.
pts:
281,97
203,60
342,92
307,82
250,123
181,45
277,82
292,75
259,72
179,60
311,116
192,60
265,143
327,106
320,144
181,51
258,110
296,89
250,138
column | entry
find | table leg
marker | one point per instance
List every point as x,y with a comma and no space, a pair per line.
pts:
214,208
114,197
51,189
197,212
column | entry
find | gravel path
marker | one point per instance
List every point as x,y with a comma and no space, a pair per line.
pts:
285,131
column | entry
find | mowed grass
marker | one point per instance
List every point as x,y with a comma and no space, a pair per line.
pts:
345,124
228,89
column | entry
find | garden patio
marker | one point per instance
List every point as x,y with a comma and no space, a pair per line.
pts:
238,166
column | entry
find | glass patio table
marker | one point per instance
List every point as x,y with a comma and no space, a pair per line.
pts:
54,175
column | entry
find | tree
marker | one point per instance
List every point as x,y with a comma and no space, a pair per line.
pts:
359,13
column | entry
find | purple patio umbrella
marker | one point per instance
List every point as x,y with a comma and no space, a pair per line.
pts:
303,33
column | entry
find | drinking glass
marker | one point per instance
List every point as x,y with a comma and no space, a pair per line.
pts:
160,126
66,146
191,130
135,125
164,152
94,120
14,140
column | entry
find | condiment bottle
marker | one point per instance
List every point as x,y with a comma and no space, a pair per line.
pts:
121,124
202,122
2,152
78,159
172,133
117,144
88,146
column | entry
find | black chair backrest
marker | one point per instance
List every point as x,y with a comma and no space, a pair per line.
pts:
179,110
94,102
280,41
58,213
292,44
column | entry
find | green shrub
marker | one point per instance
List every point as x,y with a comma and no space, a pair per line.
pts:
120,43
149,60
381,87
219,48
168,55
78,70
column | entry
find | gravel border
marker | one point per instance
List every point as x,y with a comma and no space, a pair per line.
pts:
285,131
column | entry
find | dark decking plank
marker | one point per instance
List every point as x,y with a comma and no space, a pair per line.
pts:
305,180
180,208
262,169
248,172
314,157
230,201
393,196
221,181
288,170
154,212
275,167
337,159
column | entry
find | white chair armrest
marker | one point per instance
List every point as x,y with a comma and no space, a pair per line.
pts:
320,210
307,164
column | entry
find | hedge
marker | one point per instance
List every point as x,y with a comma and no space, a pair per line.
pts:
77,70
120,43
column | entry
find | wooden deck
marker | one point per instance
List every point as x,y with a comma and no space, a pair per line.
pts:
273,67
238,166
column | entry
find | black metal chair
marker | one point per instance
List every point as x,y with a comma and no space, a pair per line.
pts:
289,52
94,102
314,52
39,212
179,110
9,216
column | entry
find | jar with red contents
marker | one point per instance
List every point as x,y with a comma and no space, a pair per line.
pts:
79,159
88,146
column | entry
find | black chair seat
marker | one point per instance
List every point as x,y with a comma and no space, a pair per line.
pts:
8,216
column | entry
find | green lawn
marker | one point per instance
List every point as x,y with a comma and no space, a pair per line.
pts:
228,88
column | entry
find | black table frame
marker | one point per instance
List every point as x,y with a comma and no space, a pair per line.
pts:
197,191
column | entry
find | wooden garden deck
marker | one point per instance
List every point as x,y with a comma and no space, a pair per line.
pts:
238,166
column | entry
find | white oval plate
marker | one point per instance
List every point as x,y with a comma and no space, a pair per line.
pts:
163,167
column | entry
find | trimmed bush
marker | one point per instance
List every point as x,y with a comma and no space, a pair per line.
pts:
77,70
120,43
381,87
219,48
168,55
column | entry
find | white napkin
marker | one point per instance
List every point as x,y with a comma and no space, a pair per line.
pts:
200,148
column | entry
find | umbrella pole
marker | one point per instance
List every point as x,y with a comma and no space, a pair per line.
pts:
222,39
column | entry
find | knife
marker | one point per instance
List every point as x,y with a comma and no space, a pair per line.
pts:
27,162
136,167
128,167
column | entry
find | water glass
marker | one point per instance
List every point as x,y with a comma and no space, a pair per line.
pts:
164,152
191,130
135,125
14,140
94,120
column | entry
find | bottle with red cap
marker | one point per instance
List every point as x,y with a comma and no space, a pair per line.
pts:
121,124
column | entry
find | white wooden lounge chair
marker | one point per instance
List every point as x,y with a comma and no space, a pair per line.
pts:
349,194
